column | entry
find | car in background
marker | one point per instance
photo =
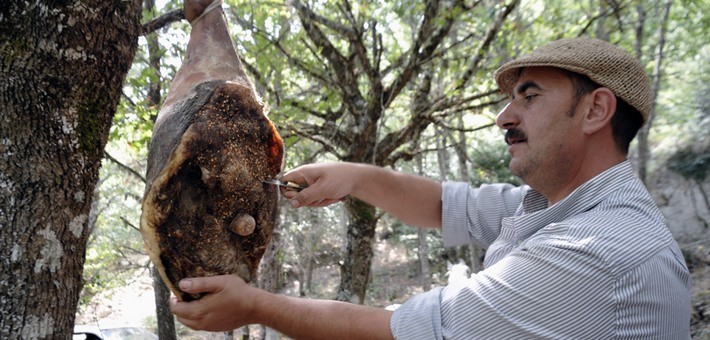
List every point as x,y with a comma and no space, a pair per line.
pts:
94,332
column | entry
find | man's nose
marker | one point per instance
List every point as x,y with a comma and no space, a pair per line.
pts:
507,118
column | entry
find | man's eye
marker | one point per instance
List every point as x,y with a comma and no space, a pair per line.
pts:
530,97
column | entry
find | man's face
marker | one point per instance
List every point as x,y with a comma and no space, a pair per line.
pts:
543,129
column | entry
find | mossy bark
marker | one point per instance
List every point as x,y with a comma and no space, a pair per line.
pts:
357,260
63,64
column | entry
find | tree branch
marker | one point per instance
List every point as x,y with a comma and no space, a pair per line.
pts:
346,79
325,144
124,167
348,32
485,45
458,129
444,103
128,223
429,37
276,43
162,21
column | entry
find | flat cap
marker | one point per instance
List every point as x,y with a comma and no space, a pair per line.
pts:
604,63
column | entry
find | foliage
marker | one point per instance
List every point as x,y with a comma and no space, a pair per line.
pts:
680,134
115,247
308,91
691,159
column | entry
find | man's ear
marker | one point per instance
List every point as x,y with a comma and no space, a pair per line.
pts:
601,110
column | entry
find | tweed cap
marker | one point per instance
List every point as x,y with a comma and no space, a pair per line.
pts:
604,63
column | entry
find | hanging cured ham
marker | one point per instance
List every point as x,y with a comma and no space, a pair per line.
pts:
205,210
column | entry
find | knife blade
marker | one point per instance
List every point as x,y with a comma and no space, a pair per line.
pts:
285,185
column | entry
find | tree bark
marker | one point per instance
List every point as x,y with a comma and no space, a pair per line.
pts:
270,269
355,271
475,253
423,245
63,65
166,321
163,315
644,148
271,265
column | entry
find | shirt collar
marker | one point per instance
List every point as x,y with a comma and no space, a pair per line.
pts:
586,196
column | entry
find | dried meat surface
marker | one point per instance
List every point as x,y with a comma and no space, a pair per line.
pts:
205,210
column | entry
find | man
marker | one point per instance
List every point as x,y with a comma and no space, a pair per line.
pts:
580,252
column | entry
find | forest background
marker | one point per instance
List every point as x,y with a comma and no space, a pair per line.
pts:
402,84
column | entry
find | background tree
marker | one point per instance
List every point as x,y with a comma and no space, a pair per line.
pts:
353,68
165,319
63,65
662,11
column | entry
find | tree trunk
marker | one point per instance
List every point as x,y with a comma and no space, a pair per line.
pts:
644,148
308,285
601,32
453,254
271,265
63,65
639,42
355,271
163,315
423,245
270,269
166,321
310,258
475,253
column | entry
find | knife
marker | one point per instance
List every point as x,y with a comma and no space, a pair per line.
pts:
285,185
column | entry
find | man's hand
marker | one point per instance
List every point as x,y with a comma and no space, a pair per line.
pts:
231,303
228,304
413,199
327,183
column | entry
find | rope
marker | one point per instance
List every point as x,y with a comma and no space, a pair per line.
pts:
213,5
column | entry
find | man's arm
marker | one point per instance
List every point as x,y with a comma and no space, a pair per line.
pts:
231,303
414,200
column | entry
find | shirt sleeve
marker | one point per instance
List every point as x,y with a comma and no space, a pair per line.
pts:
419,317
474,215
540,291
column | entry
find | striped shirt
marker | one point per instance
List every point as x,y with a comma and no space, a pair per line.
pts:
600,264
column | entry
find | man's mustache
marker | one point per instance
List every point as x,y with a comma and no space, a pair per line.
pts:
514,135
